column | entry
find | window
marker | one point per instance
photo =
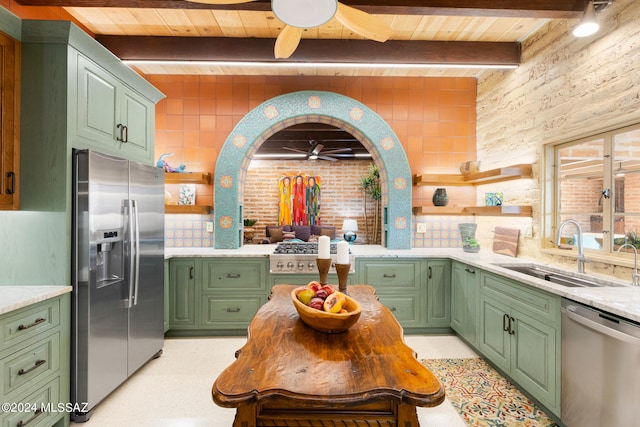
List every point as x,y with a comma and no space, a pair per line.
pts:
597,183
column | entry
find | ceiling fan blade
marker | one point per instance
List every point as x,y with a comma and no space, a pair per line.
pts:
287,41
220,1
337,150
331,159
295,150
363,23
317,149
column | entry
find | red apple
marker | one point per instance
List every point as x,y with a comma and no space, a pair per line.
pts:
329,289
314,284
321,293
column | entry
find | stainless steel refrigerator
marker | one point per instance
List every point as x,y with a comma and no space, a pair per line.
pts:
117,274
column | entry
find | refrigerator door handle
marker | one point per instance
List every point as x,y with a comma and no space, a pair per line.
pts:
132,259
136,279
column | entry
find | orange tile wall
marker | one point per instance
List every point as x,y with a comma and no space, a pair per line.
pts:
434,118
54,13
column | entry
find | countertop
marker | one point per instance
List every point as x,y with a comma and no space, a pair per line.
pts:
15,297
621,299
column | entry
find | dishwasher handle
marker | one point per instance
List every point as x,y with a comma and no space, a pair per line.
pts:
600,328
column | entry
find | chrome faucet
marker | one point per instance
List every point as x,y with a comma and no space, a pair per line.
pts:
581,258
635,278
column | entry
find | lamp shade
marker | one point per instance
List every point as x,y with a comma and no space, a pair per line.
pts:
350,225
304,13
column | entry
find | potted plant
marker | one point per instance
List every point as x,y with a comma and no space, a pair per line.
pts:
631,237
470,245
248,231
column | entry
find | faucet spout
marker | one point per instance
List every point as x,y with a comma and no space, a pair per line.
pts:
581,258
635,278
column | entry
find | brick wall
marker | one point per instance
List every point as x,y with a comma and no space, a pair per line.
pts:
566,88
341,196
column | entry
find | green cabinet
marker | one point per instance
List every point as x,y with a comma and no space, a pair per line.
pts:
111,116
303,279
209,296
520,334
233,289
465,284
182,293
417,291
34,361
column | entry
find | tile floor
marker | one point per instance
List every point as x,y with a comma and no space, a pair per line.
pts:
175,389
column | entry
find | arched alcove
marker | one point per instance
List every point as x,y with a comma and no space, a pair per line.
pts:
312,106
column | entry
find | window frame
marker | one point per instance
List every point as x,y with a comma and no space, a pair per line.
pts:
550,195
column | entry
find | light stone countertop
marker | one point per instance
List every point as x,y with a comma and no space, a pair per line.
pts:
621,299
15,297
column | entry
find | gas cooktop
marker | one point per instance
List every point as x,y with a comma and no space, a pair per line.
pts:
310,248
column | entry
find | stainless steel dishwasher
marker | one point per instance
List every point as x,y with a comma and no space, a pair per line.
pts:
600,368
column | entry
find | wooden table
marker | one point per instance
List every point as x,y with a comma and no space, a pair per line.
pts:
288,374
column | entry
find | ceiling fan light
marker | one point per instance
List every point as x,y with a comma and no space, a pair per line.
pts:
304,13
589,23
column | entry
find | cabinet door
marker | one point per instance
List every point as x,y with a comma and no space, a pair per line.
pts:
407,309
438,293
136,113
464,302
494,340
9,141
534,361
395,274
233,274
97,104
182,308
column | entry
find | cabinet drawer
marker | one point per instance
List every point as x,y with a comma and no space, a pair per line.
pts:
30,363
227,311
28,322
43,407
406,309
539,304
232,275
391,274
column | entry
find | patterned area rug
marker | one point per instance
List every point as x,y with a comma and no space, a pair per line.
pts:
483,397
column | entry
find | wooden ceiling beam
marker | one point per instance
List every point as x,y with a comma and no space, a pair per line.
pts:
310,50
551,9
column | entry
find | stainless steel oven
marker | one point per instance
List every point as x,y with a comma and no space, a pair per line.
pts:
600,368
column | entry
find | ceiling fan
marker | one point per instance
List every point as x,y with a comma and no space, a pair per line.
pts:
316,148
300,14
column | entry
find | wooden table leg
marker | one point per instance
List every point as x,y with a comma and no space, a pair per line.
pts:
245,416
407,416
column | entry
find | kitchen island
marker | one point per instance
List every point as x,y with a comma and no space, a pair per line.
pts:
289,374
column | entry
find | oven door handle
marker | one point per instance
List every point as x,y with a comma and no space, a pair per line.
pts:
601,328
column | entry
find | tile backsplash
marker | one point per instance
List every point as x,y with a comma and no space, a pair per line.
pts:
187,231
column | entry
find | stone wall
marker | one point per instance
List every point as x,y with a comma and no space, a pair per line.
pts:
566,88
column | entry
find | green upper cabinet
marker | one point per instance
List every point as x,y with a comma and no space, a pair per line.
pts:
111,116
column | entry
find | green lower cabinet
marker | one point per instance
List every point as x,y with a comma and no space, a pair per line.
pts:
167,276
417,291
211,296
182,293
438,293
464,301
229,312
519,340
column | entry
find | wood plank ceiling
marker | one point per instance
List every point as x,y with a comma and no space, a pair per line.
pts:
424,31
461,32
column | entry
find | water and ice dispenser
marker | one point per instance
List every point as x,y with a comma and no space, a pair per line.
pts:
109,256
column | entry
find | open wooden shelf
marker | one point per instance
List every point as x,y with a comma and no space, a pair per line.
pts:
187,178
187,209
523,211
508,173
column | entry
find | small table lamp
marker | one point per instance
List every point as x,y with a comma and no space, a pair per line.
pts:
350,226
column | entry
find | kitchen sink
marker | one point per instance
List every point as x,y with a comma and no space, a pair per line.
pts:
559,277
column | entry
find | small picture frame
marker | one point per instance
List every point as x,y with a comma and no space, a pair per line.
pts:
187,194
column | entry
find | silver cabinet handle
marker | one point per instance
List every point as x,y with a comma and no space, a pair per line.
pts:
233,276
233,310
389,276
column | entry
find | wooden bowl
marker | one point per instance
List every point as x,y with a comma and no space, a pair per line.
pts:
322,321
